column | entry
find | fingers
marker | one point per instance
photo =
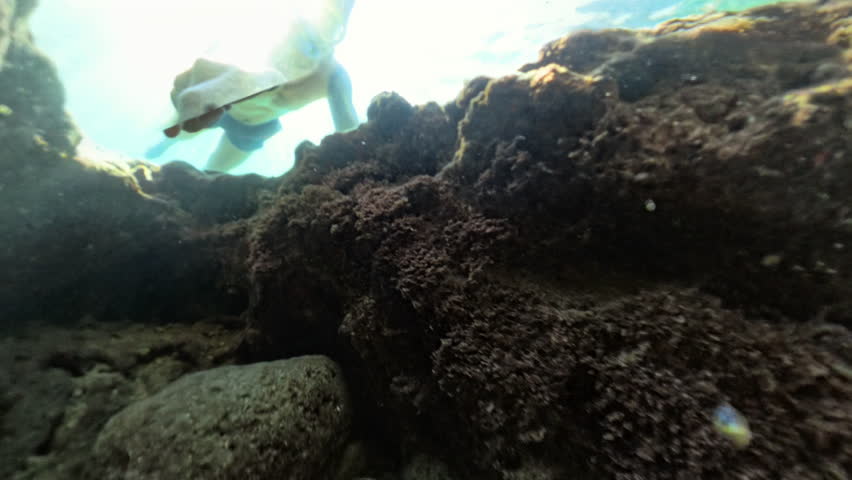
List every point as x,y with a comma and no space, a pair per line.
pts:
172,131
195,124
200,123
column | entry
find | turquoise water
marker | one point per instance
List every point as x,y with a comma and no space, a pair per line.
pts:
118,89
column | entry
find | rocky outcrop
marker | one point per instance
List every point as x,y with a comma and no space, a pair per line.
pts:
31,407
559,275
60,385
76,226
640,227
282,419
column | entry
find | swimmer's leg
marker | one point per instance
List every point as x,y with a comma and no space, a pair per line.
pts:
239,142
226,156
340,100
160,148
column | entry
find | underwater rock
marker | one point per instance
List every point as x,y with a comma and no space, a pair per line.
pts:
59,385
83,239
389,112
79,235
34,129
527,299
13,26
712,127
31,408
424,467
282,419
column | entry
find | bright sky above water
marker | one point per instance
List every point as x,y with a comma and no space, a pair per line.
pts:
117,60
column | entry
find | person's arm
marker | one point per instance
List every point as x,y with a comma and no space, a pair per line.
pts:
340,100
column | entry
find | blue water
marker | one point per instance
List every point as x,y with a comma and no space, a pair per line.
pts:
118,90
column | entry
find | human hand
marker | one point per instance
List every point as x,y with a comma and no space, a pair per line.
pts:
196,124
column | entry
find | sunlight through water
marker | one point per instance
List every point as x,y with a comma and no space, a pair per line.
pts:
118,90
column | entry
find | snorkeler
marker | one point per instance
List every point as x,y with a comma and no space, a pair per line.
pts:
246,100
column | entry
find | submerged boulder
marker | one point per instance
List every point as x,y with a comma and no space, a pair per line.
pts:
282,419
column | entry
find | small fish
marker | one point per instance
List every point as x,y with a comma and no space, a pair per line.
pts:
732,424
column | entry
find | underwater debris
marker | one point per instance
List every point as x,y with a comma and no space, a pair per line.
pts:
732,424
41,142
771,260
5,110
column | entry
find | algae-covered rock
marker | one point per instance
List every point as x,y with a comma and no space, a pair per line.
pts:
424,467
31,408
74,219
59,385
283,419
579,288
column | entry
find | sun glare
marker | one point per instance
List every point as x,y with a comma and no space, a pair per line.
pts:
118,90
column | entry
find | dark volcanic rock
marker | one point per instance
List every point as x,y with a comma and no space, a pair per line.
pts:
628,235
283,419
60,385
742,166
78,235
31,409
